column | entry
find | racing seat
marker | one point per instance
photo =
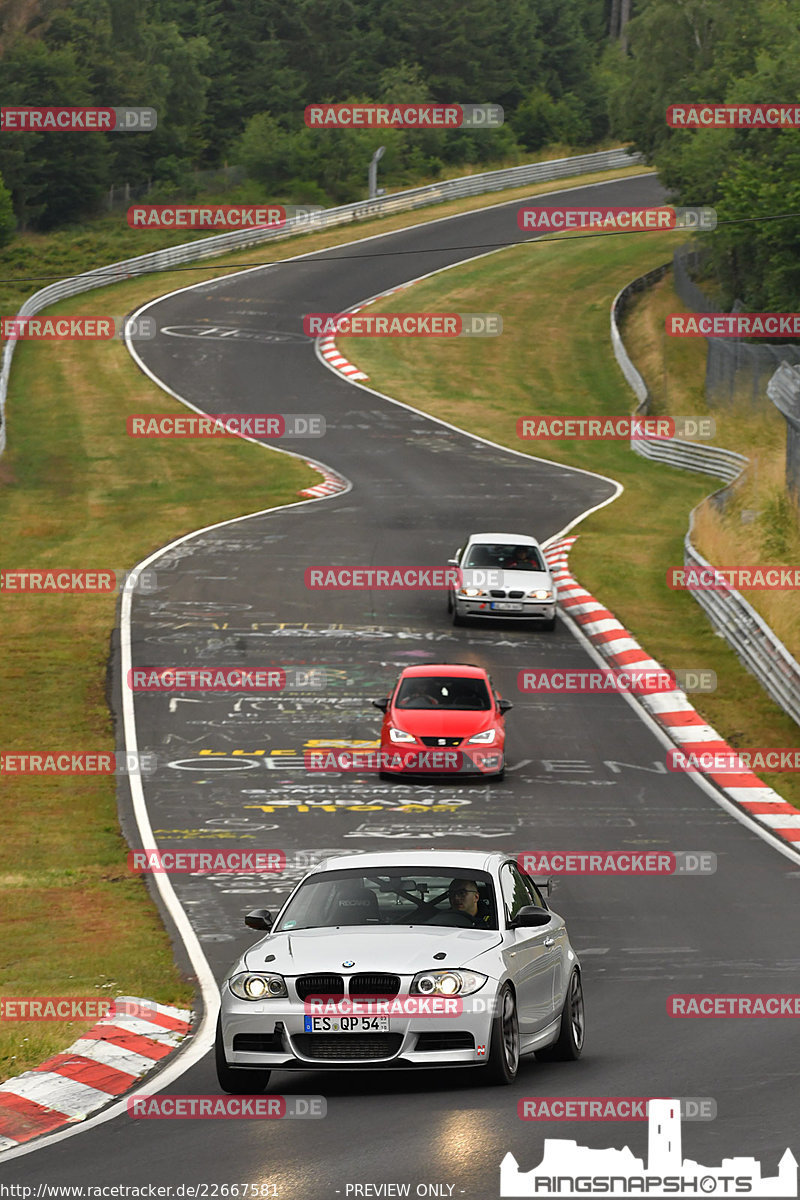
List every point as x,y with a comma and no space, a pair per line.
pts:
357,906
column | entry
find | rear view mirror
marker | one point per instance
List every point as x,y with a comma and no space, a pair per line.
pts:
382,704
259,918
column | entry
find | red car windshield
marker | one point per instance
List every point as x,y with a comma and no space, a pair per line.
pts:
442,691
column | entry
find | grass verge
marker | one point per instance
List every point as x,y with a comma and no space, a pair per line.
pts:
758,523
555,357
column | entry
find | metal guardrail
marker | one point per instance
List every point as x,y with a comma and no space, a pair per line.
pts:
748,634
451,189
783,390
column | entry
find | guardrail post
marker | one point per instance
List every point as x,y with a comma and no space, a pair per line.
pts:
783,390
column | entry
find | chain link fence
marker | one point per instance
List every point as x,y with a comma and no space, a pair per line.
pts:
735,369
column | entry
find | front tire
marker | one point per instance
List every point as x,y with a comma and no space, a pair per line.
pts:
457,618
237,1081
503,1061
550,625
569,1045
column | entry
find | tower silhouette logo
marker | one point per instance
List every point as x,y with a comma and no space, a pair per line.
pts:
568,1169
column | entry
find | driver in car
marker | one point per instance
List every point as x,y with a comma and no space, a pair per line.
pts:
464,899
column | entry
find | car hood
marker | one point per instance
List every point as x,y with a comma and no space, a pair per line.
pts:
442,722
402,951
526,580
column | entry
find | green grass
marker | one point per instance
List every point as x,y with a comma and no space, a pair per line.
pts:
555,357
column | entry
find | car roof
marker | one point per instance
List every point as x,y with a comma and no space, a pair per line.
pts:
455,670
466,860
518,539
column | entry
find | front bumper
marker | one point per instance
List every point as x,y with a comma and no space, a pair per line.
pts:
412,1041
524,610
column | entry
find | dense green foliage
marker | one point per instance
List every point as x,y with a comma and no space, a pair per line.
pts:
230,80
721,51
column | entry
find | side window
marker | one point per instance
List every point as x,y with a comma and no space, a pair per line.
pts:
536,896
515,893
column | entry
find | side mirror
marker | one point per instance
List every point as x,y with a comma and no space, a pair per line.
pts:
452,562
530,917
382,704
259,918
504,705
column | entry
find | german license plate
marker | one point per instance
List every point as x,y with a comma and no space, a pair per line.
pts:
346,1024
504,606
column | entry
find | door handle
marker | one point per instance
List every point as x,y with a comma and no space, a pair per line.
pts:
549,941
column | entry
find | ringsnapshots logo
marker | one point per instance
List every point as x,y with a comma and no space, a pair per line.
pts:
734,116
418,324
404,116
642,681
749,578
76,582
604,429
733,325
81,762
608,1108
206,862
225,216
568,1169
617,862
548,219
226,1108
226,425
77,120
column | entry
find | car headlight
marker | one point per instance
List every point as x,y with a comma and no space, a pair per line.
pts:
541,594
471,592
447,983
255,986
400,735
486,736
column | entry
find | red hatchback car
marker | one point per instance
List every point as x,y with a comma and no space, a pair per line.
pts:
443,718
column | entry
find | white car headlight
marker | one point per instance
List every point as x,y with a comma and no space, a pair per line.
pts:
255,986
471,592
447,983
400,735
486,736
541,594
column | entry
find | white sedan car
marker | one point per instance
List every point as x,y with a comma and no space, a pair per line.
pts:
402,959
503,575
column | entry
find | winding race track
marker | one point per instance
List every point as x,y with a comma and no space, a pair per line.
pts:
584,772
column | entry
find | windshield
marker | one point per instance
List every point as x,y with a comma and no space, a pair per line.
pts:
503,556
406,896
441,691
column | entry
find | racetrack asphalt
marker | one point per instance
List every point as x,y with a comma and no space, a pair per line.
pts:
585,772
